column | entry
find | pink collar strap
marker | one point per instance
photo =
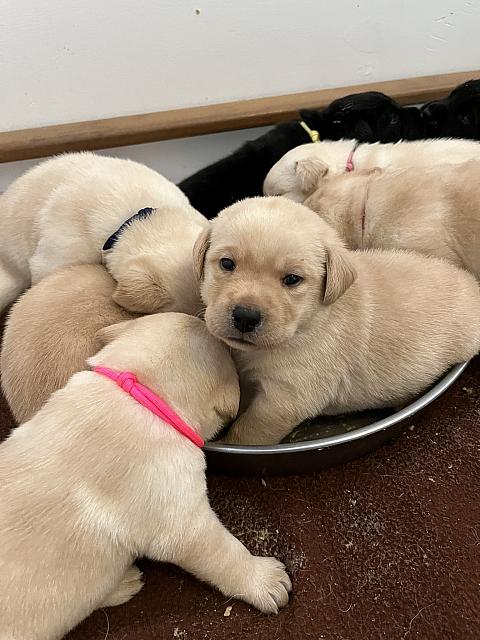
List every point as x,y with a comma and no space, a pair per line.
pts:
128,382
349,165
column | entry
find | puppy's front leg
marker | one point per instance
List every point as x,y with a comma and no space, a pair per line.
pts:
210,552
265,421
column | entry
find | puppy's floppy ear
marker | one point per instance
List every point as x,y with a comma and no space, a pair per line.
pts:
108,334
200,249
340,273
309,171
140,287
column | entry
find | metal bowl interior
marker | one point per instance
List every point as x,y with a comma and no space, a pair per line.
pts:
332,448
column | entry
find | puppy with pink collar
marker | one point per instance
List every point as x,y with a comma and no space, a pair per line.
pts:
111,469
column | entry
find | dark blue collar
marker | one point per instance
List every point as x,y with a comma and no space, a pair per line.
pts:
141,215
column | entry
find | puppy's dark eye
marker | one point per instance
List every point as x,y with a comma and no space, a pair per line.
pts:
227,264
292,279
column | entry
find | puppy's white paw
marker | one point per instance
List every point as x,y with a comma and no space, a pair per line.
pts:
128,587
269,585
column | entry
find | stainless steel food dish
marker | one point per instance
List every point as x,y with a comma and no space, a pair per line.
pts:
323,442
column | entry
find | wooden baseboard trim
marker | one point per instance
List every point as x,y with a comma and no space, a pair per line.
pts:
39,142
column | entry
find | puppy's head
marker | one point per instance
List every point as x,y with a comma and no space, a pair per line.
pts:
301,170
152,262
266,266
150,283
176,356
297,173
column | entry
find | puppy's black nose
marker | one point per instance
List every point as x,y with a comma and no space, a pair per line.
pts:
245,319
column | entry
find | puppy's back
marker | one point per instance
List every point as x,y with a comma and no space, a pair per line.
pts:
438,303
436,213
24,198
403,323
50,333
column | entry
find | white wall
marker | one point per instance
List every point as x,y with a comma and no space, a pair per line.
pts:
66,60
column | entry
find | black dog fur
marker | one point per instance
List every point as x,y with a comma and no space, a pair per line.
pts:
457,116
367,117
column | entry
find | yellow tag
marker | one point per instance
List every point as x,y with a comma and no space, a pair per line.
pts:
314,135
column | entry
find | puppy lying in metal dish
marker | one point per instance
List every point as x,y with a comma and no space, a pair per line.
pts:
317,329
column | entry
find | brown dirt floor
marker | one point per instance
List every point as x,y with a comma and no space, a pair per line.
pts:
387,546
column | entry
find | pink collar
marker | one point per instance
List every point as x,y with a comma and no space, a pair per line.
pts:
128,382
349,165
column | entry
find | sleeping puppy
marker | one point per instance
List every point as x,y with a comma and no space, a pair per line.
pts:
300,172
317,329
435,212
50,333
95,480
65,210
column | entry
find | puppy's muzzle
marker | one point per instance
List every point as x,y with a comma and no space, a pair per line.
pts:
246,319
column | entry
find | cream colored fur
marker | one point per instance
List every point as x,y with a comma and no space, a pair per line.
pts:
435,212
300,171
50,333
62,211
94,480
362,330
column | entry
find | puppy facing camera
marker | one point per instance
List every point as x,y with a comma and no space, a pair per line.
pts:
318,329
260,279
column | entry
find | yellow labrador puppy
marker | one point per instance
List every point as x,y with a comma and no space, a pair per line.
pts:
435,212
95,479
317,329
50,333
66,210
299,172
